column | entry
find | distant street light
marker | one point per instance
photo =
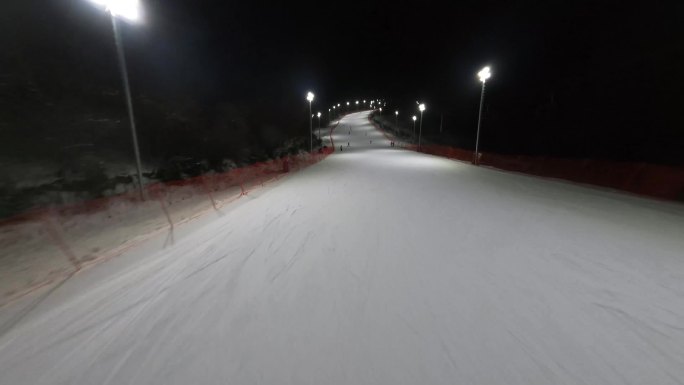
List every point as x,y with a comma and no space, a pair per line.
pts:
319,125
347,106
396,119
484,74
380,110
414,127
129,10
357,105
421,107
310,98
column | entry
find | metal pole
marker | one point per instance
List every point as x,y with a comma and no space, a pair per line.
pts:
476,159
420,132
414,130
310,129
129,102
319,127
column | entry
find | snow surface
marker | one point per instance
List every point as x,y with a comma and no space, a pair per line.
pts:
378,266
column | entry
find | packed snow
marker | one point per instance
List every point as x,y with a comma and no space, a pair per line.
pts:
377,266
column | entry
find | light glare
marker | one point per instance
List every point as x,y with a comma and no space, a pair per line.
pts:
127,9
484,74
310,96
421,107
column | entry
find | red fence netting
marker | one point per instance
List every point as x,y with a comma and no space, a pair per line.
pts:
658,181
91,231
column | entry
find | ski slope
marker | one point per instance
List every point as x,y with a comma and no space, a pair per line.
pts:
377,266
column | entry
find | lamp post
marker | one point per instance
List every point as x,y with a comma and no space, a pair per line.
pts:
421,107
357,105
484,74
396,119
319,124
414,127
128,10
347,106
310,98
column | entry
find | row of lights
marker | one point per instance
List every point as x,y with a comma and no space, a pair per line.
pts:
483,75
310,97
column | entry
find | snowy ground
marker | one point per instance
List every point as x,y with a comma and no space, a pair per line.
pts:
377,266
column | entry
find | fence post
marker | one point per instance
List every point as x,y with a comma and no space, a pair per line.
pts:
56,236
155,192
208,191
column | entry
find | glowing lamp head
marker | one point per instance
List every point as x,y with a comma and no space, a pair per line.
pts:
396,113
310,97
357,102
421,107
127,9
318,114
414,118
347,103
381,110
338,104
484,74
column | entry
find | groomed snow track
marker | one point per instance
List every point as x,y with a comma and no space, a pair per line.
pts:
377,266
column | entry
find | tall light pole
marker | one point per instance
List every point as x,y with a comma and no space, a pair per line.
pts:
414,127
484,74
396,119
310,98
421,107
347,106
128,10
319,124
357,105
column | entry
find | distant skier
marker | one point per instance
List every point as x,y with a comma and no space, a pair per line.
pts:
341,148
347,144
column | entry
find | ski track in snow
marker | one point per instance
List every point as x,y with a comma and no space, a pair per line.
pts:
381,266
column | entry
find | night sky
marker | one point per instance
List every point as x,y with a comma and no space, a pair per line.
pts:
571,78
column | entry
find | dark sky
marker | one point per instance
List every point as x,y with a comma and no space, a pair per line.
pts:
571,77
